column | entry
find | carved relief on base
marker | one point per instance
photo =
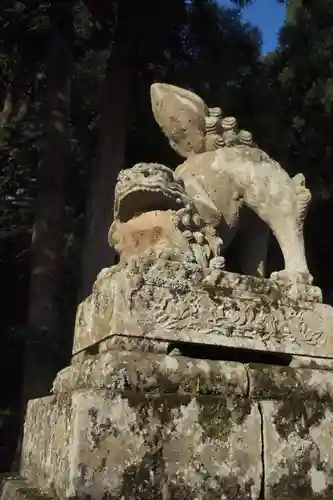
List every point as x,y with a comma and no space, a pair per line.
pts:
172,301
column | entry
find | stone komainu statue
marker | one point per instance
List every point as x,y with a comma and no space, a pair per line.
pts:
235,186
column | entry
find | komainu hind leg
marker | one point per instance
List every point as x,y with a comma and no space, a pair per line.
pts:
285,213
288,231
291,239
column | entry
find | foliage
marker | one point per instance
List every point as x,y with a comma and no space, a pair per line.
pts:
24,31
303,72
300,76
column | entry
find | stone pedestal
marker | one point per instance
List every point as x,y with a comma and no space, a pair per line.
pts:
126,426
123,425
242,411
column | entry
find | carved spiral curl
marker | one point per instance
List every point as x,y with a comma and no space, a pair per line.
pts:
223,131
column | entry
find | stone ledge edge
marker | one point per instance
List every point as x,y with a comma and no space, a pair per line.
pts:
158,374
15,487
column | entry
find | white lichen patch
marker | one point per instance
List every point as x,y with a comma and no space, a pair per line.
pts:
318,480
185,440
204,366
170,363
107,437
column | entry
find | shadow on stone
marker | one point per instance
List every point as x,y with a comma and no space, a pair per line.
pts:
239,355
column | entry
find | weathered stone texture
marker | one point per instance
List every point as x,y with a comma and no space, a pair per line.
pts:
167,447
130,445
282,382
311,362
298,460
154,374
168,427
17,488
48,433
225,182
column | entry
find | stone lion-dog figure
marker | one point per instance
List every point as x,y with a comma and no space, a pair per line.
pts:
235,186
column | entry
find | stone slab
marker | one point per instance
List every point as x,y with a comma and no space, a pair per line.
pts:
154,374
125,425
167,303
129,445
297,443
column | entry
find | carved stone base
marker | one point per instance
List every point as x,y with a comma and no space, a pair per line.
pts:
123,425
166,301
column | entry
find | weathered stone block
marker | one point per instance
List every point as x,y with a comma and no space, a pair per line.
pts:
154,374
155,427
167,447
297,439
133,426
48,434
311,362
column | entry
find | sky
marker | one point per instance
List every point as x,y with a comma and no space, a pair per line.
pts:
269,16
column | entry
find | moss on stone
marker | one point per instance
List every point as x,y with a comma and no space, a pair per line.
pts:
226,292
144,481
202,384
271,381
296,483
301,413
164,384
218,414
215,418
31,494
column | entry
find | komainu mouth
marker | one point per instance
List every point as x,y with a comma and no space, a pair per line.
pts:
146,187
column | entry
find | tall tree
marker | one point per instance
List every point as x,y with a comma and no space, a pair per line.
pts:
112,130
47,237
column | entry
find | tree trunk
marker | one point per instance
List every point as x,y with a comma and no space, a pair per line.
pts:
47,239
113,123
